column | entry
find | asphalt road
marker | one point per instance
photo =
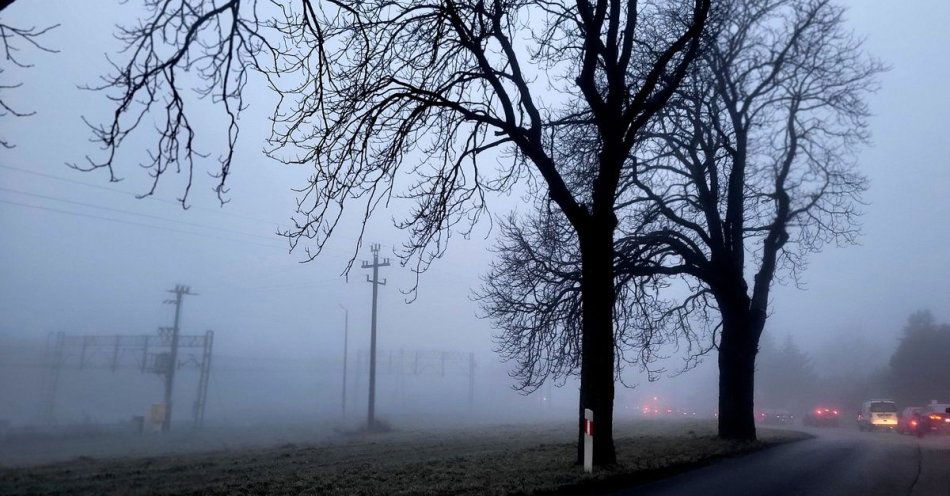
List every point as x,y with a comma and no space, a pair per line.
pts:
836,462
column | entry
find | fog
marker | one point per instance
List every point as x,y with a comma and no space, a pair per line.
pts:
83,256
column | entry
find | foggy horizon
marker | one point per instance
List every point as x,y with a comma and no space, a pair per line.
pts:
86,256
841,293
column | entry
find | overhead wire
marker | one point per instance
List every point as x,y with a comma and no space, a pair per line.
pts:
129,222
443,272
130,193
138,214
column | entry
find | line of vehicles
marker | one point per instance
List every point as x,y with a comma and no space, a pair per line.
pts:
875,415
933,418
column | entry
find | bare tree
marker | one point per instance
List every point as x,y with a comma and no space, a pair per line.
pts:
13,40
533,296
377,92
748,168
755,167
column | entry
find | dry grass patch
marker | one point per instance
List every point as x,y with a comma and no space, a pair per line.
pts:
500,460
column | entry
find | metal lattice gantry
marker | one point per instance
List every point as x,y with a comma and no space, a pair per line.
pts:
145,353
425,363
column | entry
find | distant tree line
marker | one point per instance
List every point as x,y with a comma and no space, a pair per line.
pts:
786,377
917,372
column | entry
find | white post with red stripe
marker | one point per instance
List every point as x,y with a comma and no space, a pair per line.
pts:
588,440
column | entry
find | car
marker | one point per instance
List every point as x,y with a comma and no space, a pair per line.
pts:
775,417
821,417
908,421
877,415
936,417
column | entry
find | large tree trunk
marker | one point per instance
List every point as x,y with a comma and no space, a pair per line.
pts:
738,347
597,341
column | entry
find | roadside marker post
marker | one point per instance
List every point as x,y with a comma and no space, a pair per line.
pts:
588,440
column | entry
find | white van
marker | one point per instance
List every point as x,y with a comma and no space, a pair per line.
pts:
877,414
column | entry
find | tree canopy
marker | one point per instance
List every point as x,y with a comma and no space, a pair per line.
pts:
920,367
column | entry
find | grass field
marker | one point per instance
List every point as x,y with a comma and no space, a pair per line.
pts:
509,459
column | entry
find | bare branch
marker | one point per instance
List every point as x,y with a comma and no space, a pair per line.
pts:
12,41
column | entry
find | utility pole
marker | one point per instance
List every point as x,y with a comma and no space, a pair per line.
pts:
51,372
204,375
180,291
346,338
471,382
375,265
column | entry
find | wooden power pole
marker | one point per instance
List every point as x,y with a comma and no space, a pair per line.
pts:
346,339
180,291
375,265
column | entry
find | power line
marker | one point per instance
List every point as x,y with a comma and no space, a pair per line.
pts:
130,193
155,198
132,223
274,286
125,192
149,216
292,286
349,255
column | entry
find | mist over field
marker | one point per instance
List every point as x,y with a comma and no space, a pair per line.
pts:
249,314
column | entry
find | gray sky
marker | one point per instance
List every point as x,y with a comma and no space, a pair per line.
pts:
71,270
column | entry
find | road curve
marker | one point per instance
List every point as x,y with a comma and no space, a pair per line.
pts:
836,462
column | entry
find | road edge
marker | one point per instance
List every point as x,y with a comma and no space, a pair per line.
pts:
625,481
